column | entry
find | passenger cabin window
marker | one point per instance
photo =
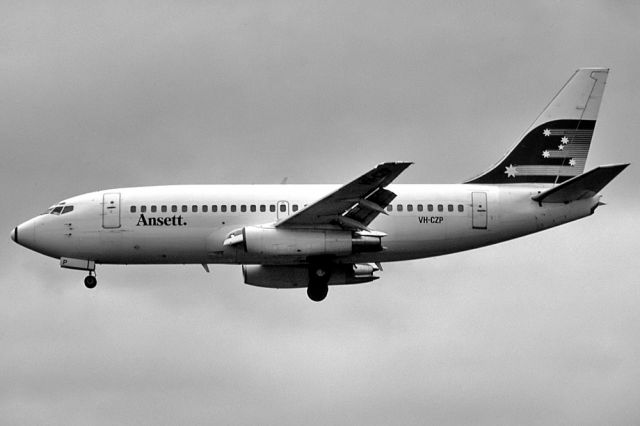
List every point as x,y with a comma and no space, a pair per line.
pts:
223,208
450,207
460,208
214,208
272,208
253,207
409,207
194,209
283,208
163,209
440,208
154,209
132,209
430,207
294,207
184,209
389,208
263,208
205,209
399,207
233,208
174,209
143,209
243,208
420,207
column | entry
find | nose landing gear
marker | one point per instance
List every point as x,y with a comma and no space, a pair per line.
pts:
90,280
82,265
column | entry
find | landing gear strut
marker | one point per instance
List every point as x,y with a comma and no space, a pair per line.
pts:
318,283
90,280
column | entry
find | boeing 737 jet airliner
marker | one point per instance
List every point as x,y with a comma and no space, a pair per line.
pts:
313,236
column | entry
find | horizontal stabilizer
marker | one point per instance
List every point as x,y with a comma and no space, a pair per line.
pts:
580,187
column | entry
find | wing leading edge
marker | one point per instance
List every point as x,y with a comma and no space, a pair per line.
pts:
354,205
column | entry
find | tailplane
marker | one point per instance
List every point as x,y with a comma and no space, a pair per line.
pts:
581,187
555,147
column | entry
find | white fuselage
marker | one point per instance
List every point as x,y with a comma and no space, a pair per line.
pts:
149,225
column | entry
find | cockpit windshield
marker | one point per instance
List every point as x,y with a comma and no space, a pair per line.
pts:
59,209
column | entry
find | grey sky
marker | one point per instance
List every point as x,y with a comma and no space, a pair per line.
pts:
540,330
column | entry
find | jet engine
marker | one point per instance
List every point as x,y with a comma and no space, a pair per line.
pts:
292,276
268,241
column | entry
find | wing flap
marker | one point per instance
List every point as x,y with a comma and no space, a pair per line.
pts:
368,209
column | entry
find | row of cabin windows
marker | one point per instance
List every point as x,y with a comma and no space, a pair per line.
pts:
213,208
283,208
430,207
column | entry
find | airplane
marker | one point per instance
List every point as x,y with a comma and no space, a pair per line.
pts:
315,236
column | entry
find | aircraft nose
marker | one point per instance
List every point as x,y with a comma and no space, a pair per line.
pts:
25,234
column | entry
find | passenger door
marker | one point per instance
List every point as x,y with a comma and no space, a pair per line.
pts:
479,214
111,210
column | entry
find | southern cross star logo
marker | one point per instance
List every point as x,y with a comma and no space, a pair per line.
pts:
546,132
546,154
560,147
511,171
572,162
564,140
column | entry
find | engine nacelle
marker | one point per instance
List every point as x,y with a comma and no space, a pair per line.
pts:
298,242
269,241
275,276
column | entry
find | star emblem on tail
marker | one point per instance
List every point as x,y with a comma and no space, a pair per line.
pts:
511,171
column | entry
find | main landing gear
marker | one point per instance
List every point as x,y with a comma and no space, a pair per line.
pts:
318,283
90,280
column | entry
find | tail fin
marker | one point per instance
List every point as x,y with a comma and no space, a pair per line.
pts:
555,146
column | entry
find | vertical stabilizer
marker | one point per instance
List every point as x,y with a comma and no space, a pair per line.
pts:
555,147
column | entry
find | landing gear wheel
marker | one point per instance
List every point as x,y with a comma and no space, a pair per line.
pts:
318,283
317,292
90,281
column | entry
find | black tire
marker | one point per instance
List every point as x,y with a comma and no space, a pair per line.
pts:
90,281
317,292
319,276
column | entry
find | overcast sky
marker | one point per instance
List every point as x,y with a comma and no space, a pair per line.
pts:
540,330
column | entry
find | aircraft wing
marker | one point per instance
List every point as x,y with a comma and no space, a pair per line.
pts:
354,205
